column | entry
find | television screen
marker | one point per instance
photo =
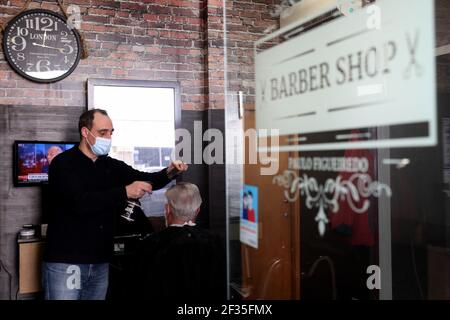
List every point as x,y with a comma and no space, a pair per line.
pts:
32,159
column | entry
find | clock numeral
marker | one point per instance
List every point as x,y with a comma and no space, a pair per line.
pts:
22,31
66,60
42,24
30,66
47,24
29,23
67,49
64,34
43,65
20,56
19,43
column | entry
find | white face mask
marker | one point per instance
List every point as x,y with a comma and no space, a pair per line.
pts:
101,147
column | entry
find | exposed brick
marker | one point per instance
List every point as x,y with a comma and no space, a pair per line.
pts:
100,53
9,10
154,50
93,44
137,40
179,34
176,59
7,84
142,74
175,51
199,59
99,28
51,6
168,66
119,72
20,93
13,3
158,10
111,37
183,3
173,26
101,12
151,17
87,26
153,33
155,39
80,2
156,25
185,12
105,4
195,90
153,57
159,2
139,31
97,19
175,42
122,14
4,75
108,45
125,55
133,6
123,30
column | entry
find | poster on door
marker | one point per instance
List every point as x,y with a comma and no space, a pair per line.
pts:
249,216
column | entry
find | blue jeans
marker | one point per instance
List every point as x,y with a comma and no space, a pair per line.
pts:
65,281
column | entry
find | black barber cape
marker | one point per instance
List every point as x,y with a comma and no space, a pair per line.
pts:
85,197
181,263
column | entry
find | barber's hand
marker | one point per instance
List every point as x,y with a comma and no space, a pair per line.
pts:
137,189
177,165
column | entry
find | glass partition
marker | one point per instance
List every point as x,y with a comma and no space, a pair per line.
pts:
337,134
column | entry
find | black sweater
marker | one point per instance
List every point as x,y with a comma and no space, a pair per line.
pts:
85,197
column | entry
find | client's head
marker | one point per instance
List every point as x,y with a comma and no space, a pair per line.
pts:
183,203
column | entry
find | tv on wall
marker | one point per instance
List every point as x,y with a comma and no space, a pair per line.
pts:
32,160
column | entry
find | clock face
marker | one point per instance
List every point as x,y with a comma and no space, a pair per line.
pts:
41,46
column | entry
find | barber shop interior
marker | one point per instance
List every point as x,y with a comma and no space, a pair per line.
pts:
225,151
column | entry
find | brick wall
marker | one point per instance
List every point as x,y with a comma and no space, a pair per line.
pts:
145,40
247,21
442,22
164,40
442,39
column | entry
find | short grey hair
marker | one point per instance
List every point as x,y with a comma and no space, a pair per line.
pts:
184,199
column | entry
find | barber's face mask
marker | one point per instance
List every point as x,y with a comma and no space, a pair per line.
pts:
101,146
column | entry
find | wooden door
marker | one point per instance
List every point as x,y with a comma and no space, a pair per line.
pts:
273,270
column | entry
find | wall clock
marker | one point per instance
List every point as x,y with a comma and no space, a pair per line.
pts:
41,46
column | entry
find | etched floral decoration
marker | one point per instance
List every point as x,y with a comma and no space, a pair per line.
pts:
356,191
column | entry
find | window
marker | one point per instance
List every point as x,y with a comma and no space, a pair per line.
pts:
145,115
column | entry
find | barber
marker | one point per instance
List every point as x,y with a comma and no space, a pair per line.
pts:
87,189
